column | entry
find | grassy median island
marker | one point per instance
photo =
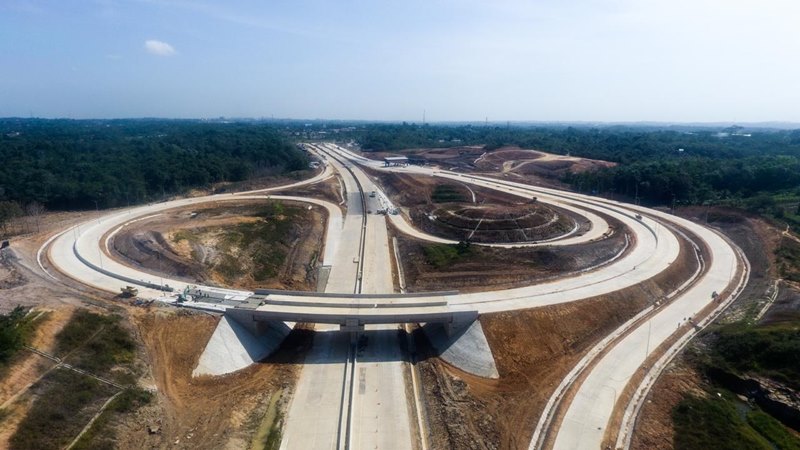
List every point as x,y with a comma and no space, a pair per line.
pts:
66,400
443,255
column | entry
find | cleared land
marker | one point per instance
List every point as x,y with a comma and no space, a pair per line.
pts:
272,245
472,268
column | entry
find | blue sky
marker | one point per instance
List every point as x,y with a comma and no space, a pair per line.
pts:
575,60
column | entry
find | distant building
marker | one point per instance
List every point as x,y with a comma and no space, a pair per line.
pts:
395,161
417,160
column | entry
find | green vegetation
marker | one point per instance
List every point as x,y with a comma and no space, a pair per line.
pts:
184,235
715,422
98,436
749,182
773,430
67,400
772,351
8,211
788,259
96,343
268,435
16,330
445,193
443,255
65,403
265,242
65,164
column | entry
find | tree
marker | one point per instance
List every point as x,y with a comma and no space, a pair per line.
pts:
34,210
9,210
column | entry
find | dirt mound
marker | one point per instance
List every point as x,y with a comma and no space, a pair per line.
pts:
243,246
431,267
478,223
531,162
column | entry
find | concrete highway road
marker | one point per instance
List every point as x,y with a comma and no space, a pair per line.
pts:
362,403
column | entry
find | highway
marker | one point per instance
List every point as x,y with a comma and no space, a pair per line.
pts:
353,393
588,416
357,251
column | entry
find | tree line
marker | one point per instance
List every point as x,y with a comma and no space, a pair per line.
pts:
656,166
79,164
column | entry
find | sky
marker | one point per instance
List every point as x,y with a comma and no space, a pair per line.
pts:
451,60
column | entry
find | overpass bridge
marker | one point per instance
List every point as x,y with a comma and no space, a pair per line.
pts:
350,311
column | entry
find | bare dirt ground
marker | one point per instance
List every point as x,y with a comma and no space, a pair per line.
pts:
329,190
206,412
513,163
758,240
485,268
532,162
534,349
523,222
193,244
409,191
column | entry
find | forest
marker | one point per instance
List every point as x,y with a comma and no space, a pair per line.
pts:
81,164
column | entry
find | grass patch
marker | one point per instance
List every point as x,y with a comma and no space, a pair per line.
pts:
16,330
258,241
95,343
772,351
773,430
268,436
98,436
184,235
65,402
447,193
788,259
443,255
703,423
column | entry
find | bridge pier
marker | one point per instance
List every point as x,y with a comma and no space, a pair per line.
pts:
463,344
238,341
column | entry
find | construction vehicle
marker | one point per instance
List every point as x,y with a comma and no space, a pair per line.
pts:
129,291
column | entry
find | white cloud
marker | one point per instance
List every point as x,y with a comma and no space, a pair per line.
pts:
159,48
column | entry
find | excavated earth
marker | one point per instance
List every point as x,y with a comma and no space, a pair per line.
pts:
485,268
205,412
534,349
206,244
524,222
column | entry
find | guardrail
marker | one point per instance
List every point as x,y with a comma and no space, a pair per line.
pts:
359,296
